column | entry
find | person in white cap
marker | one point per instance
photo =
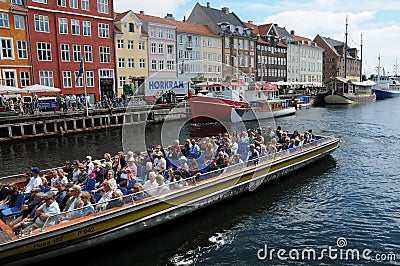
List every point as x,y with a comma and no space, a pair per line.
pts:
89,164
160,164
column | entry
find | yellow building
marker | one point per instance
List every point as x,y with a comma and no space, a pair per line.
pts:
130,50
211,55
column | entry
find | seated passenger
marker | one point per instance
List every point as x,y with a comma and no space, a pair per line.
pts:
28,213
253,154
116,200
11,197
182,163
138,192
177,181
150,187
47,209
162,187
107,196
73,203
88,202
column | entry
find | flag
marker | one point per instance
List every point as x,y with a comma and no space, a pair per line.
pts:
80,71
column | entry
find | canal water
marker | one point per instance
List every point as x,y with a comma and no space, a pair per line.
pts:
343,205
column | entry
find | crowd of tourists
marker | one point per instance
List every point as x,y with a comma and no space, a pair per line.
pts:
85,186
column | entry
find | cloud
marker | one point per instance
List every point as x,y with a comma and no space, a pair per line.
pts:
151,7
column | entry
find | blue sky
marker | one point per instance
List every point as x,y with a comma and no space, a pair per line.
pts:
378,21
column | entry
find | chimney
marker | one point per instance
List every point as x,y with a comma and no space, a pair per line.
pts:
169,16
292,32
276,25
225,10
208,4
250,22
141,12
184,18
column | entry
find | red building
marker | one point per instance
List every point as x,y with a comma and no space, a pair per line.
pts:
63,32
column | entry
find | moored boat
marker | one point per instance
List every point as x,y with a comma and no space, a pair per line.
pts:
137,215
232,102
343,91
304,101
386,87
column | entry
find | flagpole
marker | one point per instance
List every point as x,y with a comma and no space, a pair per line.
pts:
84,85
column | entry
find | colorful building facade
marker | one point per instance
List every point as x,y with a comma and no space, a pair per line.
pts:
131,51
15,64
63,34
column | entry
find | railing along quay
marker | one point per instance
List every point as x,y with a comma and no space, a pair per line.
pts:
56,123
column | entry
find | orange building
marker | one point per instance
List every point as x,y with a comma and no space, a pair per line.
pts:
15,63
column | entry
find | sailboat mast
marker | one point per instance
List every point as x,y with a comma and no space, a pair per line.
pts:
345,52
361,60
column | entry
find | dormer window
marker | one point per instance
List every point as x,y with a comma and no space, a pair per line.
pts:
239,29
131,27
232,28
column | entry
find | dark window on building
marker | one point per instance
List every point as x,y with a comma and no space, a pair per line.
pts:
131,27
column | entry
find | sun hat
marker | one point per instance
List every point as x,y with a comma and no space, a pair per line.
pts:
183,158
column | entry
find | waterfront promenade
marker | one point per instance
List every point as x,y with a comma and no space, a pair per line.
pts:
59,123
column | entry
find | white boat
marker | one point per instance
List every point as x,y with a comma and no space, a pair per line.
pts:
386,86
343,91
304,102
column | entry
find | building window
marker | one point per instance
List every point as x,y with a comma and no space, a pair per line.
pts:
78,80
62,3
65,55
16,2
87,28
90,78
170,65
131,27
122,81
19,22
131,44
170,35
42,23
22,50
40,1
4,22
105,54
63,25
46,78
85,5
44,51
153,32
67,79
154,65
75,27
25,79
120,44
161,65
10,78
104,30
131,62
88,53
77,52
161,48
73,4
142,63
6,49
102,6
153,48
160,33
141,45
170,49
121,62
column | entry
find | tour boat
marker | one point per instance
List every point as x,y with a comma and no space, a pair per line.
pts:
136,215
304,102
231,102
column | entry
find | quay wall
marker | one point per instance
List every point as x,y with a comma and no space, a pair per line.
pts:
50,124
